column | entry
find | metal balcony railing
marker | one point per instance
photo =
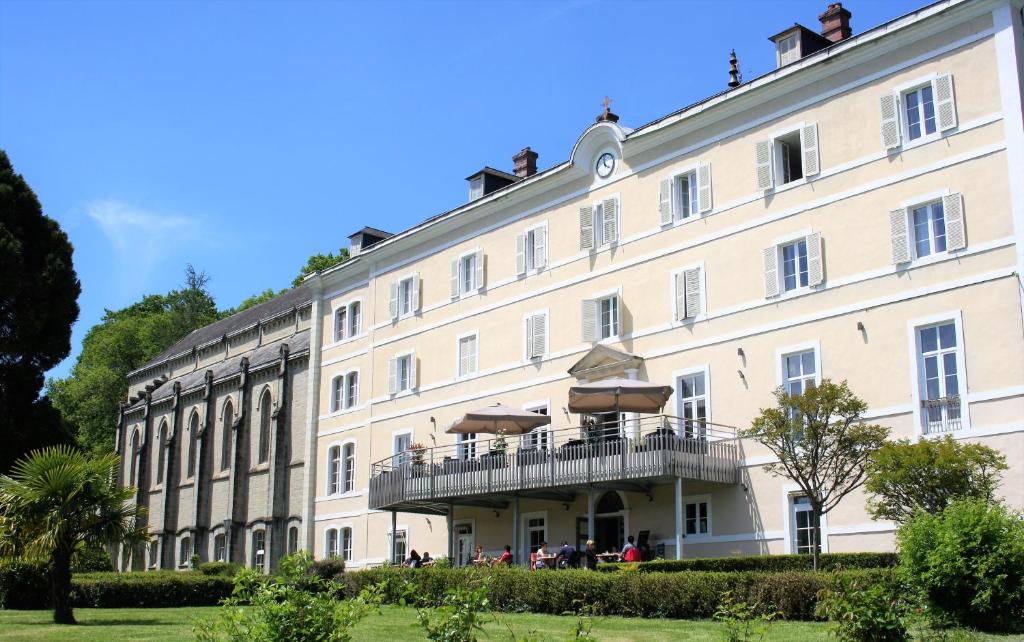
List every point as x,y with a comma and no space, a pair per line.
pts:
941,415
650,447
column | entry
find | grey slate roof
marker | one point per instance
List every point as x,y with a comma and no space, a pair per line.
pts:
295,298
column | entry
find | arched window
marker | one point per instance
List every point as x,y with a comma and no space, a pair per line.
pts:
184,550
351,389
293,540
337,385
160,452
133,468
346,544
340,323
264,444
333,470
220,548
192,436
610,502
348,468
354,318
154,553
259,542
331,543
228,418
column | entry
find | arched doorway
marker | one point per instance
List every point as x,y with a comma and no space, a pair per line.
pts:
609,524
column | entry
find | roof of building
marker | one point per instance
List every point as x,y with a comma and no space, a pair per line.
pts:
298,297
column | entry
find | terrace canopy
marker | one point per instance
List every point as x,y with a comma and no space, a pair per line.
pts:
618,395
498,420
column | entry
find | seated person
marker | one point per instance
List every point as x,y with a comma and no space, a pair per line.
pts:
542,552
506,557
478,556
630,553
426,558
567,556
589,556
414,560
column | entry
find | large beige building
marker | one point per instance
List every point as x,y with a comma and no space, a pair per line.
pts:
856,214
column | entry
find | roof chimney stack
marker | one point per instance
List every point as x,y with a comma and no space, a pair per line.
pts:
525,163
835,22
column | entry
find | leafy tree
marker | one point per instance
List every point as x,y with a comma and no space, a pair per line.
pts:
57,500
821,442
38,304
249,302
904,477
320,262
123,341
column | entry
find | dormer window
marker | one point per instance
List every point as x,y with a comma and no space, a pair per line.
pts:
476,188
788,51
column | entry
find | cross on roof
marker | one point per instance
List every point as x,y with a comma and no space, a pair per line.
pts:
606,102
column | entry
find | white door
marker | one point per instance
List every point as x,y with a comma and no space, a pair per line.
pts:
465,542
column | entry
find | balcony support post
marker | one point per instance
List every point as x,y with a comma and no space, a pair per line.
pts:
679,518
449,518
516,559
394,536
591,501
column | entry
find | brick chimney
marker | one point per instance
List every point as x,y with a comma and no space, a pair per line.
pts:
525,163
835,22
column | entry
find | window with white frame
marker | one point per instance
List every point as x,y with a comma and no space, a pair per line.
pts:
331,542
793,264
259,548
938,363
154,553
805,538
405,291
340,323
540,437
601,318
346,544
334,470
476,188
467,274
466,445
468,354
405,296
787,50
919,112
693,404
402,373
355,318
599,224
686,195
799,372
348,320
184,550
401,546
536,335
351,389
337,393
787,157
929,228
400,447
348,468
687,293
536,533
531,249
697,518
293,540
220,547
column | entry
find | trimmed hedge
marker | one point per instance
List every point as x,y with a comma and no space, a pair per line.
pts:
763,563
683,595
227,569
24,585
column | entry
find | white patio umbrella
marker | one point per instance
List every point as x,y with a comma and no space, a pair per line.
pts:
618,395
498,420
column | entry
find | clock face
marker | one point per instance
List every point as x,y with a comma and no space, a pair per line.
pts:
605,165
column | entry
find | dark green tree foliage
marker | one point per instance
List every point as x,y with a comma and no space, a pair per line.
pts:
123,341
38,304
249,302
320,262
904,477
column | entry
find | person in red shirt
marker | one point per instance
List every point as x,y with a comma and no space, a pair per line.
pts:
506,557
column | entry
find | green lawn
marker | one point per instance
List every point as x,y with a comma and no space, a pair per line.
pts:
392,625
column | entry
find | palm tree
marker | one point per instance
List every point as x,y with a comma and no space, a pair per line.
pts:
57,499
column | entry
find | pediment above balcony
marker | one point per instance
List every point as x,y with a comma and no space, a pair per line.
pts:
603,362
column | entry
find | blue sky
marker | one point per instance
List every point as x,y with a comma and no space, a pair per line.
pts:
243,137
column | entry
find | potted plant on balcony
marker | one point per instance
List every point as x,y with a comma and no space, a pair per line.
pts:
417,456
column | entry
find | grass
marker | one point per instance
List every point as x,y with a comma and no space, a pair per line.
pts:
394,623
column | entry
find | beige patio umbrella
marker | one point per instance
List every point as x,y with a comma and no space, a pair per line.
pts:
498,420
618,395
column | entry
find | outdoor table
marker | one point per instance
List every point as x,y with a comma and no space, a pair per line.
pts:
549,560
481,562
608,557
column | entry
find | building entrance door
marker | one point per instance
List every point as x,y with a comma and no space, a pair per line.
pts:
610,533
465,542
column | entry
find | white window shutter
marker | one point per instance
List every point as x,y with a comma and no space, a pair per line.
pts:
589,314
416,293
478,278
763,164
889,106
815,267
413,381
474,354
692,282
953,211
899,233
665,200
393,306
528,337
945,103
540,247
539,337
520,254
771,271
611,220
680,296
455,278
704,187
809,147
355,388
462,345
392,376
587,227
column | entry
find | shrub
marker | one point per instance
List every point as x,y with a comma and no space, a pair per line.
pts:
743,622
967,563
458,617
764,563
865,612
91,559
149,589
227,569
332,568
24,585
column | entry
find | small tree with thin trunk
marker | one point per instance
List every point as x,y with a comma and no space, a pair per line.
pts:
58,499
821,442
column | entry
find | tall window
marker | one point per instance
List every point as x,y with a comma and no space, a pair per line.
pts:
403,373
347,321
697,522
609,317
538,438
693,403
227,419
264,443
184,550
220,547
346,544
259,544
333,470
794,265
405,296
788,162
293,540
160,453
348,467
467,273
401,447
401,546
686,195
536,533
938,363
800,372
466,448
134,454
355,318
468,355
340,323
919,110
337,385
351,389
929,229
805,539
331,542
193,439
154,553
787,50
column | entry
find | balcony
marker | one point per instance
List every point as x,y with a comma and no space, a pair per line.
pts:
631,454
941,415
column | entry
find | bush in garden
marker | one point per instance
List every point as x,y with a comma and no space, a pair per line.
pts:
227,569
24,584
865,612
967,563
91,559
149,589
458,617
332,568
743,622
762,563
